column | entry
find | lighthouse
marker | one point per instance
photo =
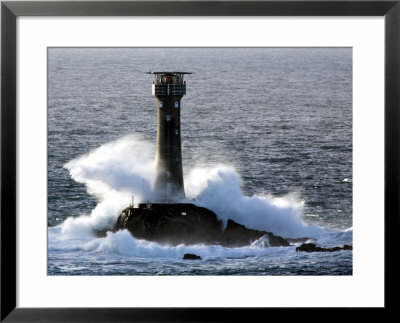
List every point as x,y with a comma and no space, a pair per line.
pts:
179,222
169,88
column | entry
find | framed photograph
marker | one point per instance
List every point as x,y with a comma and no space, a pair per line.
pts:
188,160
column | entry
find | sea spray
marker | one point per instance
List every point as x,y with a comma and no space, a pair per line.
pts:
218,188
123,243
118,170
112,173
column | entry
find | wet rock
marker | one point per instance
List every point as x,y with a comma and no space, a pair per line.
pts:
311,247
237,235
347,247
171,223
186,223
191,256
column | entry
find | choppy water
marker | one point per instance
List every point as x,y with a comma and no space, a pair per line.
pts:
266,141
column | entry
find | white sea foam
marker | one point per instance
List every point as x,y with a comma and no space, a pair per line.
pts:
123,243
112,173
125,167
218,188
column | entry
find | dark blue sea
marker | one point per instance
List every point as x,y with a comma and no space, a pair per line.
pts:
266,141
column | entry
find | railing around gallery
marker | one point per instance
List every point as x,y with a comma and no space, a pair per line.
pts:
169,89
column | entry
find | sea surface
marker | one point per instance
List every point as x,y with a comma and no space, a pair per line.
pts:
266,141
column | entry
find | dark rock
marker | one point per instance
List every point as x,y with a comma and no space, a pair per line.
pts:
311,247
186,223
237,235
191,256
171,223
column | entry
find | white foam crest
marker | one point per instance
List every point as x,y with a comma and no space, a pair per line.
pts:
102,217
112,173
218,188
262,242
59,242
123,243
333,238
126,164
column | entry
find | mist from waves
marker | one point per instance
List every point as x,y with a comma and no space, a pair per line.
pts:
118,170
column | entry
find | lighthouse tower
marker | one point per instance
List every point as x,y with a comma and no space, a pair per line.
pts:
169,88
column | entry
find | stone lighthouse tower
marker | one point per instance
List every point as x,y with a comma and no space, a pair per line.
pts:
169,88
179,222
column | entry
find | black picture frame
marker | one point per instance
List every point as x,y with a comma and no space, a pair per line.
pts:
10,10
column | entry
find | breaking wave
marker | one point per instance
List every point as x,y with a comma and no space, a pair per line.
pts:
118,170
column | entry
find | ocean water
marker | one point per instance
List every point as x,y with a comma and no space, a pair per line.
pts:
266,141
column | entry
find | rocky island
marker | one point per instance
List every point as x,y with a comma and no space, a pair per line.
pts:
180,223
186,223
